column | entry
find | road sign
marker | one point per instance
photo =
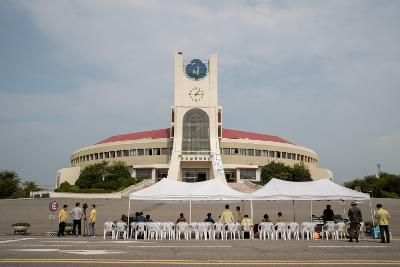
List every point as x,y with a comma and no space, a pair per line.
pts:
53,206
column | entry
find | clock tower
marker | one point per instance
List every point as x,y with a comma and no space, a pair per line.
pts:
196,121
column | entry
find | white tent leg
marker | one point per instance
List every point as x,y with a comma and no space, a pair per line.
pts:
372,215
311,213
294,212
190,211
251,209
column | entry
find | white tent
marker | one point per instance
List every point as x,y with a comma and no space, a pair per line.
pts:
169,190
324,189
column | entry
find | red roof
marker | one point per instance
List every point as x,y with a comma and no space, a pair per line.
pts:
234,134
164,133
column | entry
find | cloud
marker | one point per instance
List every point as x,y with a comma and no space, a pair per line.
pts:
322,74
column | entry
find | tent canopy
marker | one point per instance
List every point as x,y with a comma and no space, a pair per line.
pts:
169,190
323,189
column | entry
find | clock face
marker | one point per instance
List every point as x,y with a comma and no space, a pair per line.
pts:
196,94
196,69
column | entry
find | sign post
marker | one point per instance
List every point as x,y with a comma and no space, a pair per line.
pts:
53,207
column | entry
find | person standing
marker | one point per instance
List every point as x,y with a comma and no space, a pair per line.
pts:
226,216
76,214
355,218
328,214
62,219
92,220
383,216
239,214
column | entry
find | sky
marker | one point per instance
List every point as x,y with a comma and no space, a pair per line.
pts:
322,74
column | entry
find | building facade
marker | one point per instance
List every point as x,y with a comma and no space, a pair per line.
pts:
195,147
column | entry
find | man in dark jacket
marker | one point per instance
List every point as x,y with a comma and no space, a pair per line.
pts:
355,218
328,214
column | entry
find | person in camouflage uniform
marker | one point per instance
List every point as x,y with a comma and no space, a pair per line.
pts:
355,218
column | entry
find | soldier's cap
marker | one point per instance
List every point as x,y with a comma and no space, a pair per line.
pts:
353,203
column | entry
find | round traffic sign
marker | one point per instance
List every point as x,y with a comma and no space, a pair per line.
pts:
53,206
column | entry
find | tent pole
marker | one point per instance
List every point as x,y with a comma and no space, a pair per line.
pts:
251,209
311,213
294,212
190,211
129,210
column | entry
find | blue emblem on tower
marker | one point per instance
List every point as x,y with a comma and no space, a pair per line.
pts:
196,69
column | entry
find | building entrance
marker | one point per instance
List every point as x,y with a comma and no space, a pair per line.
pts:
195,175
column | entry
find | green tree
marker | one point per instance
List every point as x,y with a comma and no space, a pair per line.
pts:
275,170
29,186
300,173
92,176
387,185
9,183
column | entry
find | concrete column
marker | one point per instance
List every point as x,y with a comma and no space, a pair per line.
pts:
153,174
237,175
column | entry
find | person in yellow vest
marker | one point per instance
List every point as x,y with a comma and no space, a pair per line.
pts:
92,221
246,225
62,220
383,216
226,216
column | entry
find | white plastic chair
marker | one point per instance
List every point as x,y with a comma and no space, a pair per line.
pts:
219,229
193,229
109,227
133,228
340,229
167,230
141,230
247,227
202,231
329,229
152,230
280,228
293,228
308,229
182,227
362,230
121,227
232,229
266,230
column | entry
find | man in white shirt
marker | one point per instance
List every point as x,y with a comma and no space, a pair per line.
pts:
76,215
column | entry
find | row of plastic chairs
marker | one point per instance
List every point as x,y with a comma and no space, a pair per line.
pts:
168,230
269,230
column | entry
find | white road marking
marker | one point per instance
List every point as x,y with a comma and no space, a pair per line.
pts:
168,246
348,246
92,252
80,252
15,240
66,241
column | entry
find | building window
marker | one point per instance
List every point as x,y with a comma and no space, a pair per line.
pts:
298,156
302,157
248,174
91,157
242,152
140,152
226,151
164,151
125,153
265,153
143,173
149,152
284,155
106,155
133,152
112,154
87,157
235,151
96,156
250,152
258,153
101,155
278,154
119,153
161,173
157,151
196,134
